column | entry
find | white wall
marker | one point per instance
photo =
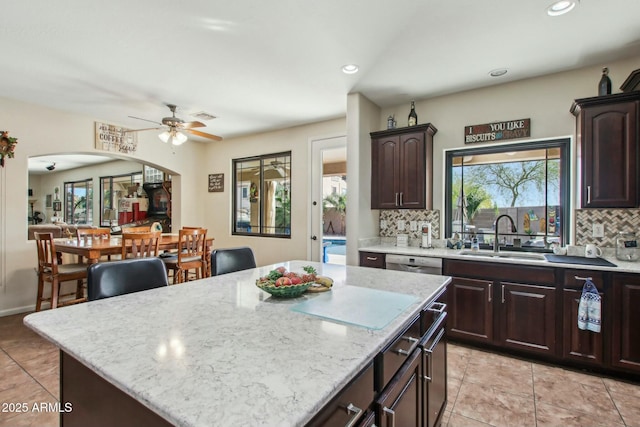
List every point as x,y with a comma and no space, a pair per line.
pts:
43,131
218,206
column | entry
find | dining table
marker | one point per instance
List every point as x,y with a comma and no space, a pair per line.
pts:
93,249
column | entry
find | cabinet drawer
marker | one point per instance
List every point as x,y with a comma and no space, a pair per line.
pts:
372,259
351,404
500,271
392,358
570,280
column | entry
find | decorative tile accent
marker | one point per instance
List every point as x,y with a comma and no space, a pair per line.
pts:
391,218
614,220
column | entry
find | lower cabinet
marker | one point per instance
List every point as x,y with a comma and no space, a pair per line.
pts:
471,309
625,339
372,259
527,316
578,345
400,403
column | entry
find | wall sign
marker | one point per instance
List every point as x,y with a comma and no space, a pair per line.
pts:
115,139
511,129
216,182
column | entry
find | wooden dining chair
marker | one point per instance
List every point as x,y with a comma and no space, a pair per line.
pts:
191,255
141,229
140,245
85,234
109,279
51,270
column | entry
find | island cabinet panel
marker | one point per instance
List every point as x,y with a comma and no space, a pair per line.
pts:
434,369
372,259
625,352
528,317
470,309
579,345
97,402
400,403
351,405
401,171
607,130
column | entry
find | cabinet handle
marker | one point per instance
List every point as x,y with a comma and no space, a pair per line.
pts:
391,416
372,258
437,307
414,343
588,194
490,286
428,353
401,199
397,194
503,294
352,409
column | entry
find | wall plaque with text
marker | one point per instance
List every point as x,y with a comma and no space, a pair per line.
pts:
216,182
497,131
115,139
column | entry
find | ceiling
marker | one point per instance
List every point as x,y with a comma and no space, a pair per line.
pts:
260,65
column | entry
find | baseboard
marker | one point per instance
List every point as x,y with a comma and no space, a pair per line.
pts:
17,310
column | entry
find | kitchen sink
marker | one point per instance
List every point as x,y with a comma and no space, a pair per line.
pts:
504,255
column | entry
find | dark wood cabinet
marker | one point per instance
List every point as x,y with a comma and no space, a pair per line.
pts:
470,309
400,403
527,316
401,168
579,345
625,340
434,368
372,259
607,131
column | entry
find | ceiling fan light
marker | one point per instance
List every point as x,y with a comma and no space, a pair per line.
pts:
179,138
164,136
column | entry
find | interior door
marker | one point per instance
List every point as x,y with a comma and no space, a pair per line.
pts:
323,151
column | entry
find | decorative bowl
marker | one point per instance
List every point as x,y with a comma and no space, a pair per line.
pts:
289,291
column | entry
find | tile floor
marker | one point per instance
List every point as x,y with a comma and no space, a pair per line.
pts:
485,389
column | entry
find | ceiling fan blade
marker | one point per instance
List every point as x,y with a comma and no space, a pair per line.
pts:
146,120
189,125
140,130
204,135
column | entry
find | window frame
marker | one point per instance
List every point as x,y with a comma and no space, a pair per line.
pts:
234,194
88,183
563,144
132,175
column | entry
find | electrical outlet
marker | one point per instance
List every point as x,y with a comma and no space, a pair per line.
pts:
383,224
400,225
413,225
597,230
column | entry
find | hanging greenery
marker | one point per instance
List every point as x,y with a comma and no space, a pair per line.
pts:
7,146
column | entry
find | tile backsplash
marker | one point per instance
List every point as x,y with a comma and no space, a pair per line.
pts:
389,222
614,220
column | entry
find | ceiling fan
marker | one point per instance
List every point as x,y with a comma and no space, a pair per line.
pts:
175,127
275,165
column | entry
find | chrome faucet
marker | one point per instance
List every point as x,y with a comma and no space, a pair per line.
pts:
496,245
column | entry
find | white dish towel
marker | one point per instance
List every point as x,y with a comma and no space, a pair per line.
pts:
589,308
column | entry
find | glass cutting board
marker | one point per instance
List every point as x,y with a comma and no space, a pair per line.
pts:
353,305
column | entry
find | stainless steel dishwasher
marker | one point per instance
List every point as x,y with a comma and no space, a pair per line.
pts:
414,264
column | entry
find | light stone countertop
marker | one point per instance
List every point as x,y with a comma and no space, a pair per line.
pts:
220,351
621,266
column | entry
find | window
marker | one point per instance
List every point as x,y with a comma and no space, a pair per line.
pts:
112,189
78,202
529,182
153,174
262,195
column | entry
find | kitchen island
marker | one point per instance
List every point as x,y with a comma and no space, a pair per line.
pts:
220,351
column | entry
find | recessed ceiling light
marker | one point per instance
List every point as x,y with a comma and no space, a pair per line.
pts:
561,7
350,69
498,72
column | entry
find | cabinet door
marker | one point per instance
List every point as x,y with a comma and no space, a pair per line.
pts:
400,403
609,145
372,259
385,172
470,309
435,377
626,319
528,317
579,345
412,171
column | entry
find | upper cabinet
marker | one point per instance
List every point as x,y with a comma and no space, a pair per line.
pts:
401,168
607,131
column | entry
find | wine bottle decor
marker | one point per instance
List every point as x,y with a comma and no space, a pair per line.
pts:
604,87
413,117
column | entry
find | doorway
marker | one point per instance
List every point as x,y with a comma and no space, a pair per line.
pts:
329,200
